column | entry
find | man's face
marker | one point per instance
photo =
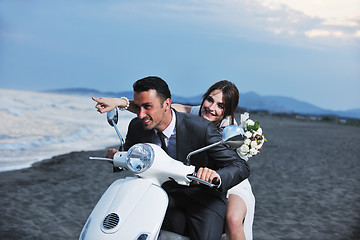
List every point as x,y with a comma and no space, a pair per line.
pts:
151,112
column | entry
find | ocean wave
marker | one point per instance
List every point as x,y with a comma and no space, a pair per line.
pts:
12,111
50,125
45,140
4,137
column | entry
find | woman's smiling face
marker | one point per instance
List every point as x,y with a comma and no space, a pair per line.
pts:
213,107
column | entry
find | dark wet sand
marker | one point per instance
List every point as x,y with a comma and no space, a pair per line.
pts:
306,182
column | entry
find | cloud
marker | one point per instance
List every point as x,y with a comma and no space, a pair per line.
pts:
333,19
329,9
343,22
274,20
324,33
357,34
280,21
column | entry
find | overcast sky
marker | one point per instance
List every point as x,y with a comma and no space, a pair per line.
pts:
308,49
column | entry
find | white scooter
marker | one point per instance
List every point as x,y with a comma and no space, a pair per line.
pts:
134,207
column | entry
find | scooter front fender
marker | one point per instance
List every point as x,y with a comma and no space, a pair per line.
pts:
131,208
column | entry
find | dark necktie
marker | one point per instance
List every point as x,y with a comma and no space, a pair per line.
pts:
162,139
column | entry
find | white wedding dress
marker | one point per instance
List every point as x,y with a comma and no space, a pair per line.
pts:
242,190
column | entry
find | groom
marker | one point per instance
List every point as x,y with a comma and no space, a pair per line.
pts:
196,211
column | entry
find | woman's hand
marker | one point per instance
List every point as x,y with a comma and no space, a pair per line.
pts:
207,174
107,104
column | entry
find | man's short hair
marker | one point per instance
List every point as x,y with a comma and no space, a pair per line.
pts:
152,82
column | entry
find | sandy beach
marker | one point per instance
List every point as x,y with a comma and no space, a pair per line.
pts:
306,182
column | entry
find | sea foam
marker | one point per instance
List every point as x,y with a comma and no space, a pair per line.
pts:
36,126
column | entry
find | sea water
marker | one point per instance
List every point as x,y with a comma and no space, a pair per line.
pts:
36,126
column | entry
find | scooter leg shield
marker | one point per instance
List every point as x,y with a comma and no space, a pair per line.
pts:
131,208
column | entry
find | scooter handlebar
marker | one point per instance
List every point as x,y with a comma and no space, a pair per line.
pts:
215,182
109,160
102,159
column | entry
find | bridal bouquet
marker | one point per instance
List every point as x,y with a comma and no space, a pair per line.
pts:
254,137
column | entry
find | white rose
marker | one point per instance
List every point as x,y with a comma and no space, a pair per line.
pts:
250,122
259,145
259,131
242,155
247,141
248,134
254,144
253,151
244,148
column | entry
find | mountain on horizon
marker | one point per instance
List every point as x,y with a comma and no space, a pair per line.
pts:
249,101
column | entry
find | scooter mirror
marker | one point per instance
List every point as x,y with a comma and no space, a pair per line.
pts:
113,116
233,136
230,134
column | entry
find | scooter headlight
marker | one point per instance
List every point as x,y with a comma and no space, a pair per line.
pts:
139,158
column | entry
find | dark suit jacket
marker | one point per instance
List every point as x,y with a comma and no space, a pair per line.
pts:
194,132
196,206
